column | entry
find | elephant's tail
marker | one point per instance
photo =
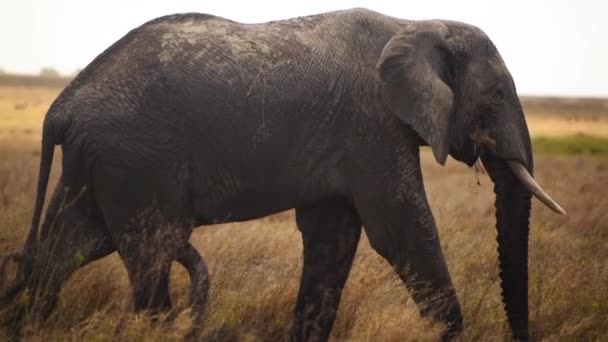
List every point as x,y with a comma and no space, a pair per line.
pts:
46,160
24,259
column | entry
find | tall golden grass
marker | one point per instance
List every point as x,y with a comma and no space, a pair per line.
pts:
255,266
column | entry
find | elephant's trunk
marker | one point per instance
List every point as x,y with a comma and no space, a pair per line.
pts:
512,223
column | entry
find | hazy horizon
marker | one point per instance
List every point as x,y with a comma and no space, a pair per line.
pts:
555,48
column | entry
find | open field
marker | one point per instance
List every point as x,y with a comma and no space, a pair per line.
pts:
255,266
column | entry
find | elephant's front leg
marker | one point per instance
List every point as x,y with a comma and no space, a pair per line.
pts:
400,227
331,231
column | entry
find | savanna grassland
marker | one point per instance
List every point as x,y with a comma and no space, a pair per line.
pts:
255,266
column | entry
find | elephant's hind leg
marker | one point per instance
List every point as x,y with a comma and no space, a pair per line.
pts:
71,237
330,232
149,215
147,255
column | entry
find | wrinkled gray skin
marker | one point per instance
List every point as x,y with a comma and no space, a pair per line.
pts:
207,120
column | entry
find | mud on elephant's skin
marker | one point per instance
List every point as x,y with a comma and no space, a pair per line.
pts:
207,120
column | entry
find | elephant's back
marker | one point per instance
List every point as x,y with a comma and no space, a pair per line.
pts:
285,62
221,81
336,36
206,50
222,53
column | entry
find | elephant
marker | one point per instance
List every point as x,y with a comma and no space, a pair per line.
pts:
193,119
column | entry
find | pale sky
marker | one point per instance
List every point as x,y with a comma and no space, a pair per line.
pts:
551,47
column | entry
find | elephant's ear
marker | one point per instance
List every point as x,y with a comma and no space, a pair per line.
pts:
413,68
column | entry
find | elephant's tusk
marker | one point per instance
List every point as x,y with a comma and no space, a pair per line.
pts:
528,181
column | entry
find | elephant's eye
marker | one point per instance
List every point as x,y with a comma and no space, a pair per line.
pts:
498,96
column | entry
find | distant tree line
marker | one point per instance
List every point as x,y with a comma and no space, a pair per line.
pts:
52,72
47,72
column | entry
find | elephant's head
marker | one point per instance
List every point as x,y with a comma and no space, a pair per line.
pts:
448,82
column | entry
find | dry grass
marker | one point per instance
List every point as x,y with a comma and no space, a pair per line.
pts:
553,125
555,117
255,266
22,110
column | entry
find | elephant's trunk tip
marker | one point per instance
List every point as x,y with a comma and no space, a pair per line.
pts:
528,181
